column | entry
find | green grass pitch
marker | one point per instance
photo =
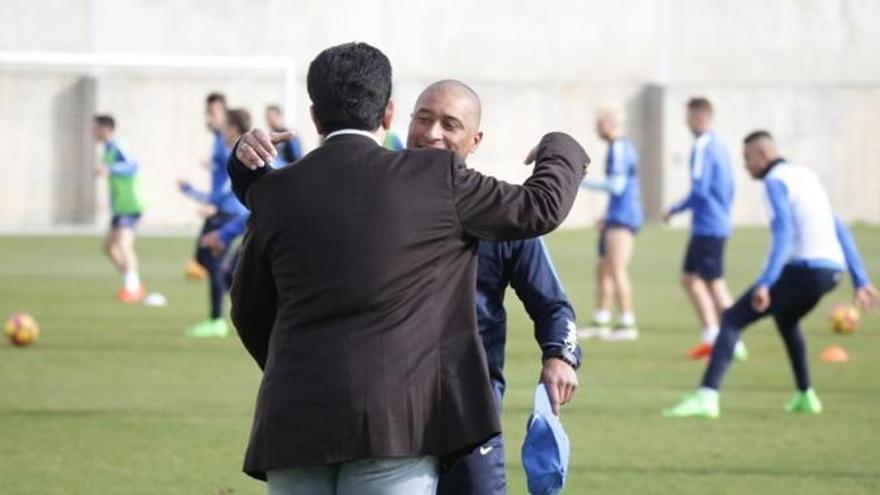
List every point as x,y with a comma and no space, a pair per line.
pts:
113,399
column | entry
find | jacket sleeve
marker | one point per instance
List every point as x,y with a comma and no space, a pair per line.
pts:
491,209
254,298
242,177
537,285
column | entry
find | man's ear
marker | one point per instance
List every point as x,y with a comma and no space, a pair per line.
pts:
388,117
478,138
315,121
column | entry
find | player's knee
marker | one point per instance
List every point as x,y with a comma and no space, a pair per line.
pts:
688,281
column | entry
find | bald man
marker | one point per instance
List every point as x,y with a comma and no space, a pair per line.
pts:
447,116
810,249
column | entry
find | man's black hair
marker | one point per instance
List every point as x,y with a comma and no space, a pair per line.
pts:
215,97
105,120
350,86
756,135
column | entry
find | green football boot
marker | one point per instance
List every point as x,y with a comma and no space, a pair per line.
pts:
804,402
208,329
699,404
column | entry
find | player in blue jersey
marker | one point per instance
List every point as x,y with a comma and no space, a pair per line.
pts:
226,222
810,249
126,207
289,149
447,116
622,220
709,201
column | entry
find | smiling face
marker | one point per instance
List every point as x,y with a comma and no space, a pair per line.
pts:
446,116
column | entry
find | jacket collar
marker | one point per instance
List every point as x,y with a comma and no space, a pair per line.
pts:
359,132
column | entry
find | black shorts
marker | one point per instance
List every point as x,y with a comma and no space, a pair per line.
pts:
705,257
603,233
127,221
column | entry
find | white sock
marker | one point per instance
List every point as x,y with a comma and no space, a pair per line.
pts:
602,316
710,334
708,394
627,319
131,281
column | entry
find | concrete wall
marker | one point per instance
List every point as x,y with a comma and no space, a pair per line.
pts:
807,70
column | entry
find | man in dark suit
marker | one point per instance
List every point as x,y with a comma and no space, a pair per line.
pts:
355,290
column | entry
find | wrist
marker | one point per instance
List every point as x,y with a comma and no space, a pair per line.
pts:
562,354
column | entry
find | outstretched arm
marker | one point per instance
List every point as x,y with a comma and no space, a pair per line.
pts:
491,209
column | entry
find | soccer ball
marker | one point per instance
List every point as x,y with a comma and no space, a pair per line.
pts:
844,319
21,329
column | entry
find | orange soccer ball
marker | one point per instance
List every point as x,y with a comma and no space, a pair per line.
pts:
22,329
844,319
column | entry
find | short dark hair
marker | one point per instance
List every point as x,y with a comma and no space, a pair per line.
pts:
756,135
240,119
350,86
700,103
105,120
215,97
274,108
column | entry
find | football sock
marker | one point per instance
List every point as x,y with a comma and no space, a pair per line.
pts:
131,281
710,334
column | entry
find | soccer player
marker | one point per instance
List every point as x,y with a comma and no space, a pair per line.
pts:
709,201
225,224
622,220
447,116
289,150
126,205
810,249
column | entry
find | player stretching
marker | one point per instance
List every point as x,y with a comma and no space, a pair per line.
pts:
809,251
222,227
125,203
622,220
709,200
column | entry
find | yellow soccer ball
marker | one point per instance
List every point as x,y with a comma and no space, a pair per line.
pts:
844,319
22,329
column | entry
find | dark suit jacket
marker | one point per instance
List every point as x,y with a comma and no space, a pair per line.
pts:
355,295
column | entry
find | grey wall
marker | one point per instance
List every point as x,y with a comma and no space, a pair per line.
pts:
807,70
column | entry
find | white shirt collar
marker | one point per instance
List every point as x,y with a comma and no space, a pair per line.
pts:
342,132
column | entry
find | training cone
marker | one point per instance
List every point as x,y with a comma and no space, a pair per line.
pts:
835,354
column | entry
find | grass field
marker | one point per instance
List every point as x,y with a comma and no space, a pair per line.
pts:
112,399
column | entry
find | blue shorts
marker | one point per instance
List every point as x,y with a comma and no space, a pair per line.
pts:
479,473
705,257
127,221
612,225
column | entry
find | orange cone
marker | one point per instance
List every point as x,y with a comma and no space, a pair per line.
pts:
834,354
